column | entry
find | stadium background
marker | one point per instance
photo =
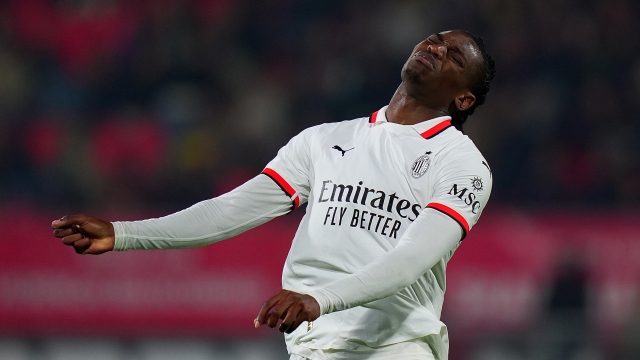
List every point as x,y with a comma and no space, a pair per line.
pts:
132,109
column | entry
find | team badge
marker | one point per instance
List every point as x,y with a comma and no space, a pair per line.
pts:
476,183
421,165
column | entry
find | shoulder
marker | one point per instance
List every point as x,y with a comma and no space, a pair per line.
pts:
331,130
460,148
463,157
341,125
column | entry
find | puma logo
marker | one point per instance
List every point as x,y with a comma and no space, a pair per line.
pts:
340,149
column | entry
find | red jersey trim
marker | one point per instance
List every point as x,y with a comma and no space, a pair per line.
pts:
453,214
436,129
284,185
373,117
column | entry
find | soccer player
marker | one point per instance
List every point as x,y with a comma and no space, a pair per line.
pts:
390,198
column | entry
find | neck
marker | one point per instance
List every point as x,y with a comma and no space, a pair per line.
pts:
405,109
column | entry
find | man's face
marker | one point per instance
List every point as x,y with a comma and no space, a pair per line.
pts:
443,65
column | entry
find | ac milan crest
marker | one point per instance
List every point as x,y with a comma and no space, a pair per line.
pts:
421,165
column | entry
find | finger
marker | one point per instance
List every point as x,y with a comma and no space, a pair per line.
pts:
264,311
71,239
82,245
278,312
69,220
291,316
299,320
62,232
262,315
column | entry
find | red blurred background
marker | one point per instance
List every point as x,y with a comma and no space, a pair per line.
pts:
128,110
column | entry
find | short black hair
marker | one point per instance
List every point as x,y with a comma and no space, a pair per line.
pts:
480,86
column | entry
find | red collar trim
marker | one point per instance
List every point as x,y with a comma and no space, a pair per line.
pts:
428,134
436,129
373,117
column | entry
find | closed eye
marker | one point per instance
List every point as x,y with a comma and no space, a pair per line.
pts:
457,61
456,55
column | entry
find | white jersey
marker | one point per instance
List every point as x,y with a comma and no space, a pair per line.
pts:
374,243
365,181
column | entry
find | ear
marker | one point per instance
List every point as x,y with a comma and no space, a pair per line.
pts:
464,101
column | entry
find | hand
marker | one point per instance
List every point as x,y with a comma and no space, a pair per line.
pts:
291,307
86,234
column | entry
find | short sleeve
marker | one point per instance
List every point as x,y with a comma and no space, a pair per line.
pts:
291,168
461,189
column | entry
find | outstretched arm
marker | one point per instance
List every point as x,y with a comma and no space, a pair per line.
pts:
251,204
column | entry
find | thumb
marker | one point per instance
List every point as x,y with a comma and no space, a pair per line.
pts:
69,220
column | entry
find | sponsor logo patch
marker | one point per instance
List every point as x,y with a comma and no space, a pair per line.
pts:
336,147
469,197
476,183
421,165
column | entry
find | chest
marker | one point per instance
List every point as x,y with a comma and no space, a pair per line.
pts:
377,168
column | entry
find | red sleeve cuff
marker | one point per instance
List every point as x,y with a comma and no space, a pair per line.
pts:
453,214
284,185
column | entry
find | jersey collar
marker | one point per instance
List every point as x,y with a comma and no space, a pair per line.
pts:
427,129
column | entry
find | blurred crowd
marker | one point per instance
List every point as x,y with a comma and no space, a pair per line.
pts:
162,103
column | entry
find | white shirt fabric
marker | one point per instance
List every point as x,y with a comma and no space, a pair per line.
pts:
366,181
220,218
251,204
367,244
417,349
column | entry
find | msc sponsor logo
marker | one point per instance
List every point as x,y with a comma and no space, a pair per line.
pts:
469,197
476,184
